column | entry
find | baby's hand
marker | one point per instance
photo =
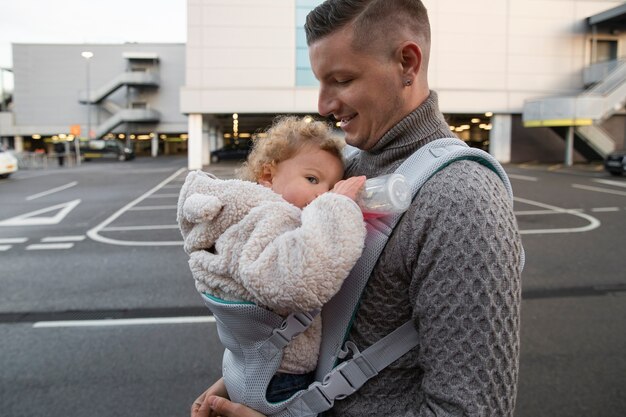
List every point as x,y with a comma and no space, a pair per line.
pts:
350,187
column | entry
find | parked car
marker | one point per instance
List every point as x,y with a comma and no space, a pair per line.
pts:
615,162
8,164
237,152
95,149
105,149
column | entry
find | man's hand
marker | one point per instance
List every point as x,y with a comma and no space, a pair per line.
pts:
224,408
201,407
350,187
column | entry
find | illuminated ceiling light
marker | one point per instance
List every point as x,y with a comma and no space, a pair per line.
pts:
152,134
489,114
184,136
132,136
482,125
36,136
121,136
87,54
488,127
475,120
452,128
143,137
162,137
465,126
235,116
227,135
459,129
244,135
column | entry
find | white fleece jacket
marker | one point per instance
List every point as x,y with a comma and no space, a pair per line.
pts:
246,243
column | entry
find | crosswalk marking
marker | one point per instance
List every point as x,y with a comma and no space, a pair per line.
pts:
4,248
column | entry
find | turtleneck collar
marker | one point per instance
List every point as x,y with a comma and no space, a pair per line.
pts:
422,125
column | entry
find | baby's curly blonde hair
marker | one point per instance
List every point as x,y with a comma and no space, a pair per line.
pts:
286,136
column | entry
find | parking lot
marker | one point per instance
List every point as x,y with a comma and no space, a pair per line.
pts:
98,313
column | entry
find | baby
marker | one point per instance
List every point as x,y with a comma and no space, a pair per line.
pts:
284,237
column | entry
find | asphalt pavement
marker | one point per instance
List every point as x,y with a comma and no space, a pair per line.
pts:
111,252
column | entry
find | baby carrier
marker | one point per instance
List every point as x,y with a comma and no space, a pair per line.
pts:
254,337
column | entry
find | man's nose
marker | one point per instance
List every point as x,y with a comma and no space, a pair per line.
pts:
326,103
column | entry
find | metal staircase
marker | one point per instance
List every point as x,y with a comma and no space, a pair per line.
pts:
127,116
130,78
584,111
138,77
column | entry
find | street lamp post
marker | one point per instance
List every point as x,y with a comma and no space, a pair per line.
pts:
87,55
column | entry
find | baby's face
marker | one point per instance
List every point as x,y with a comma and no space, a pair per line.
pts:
308,174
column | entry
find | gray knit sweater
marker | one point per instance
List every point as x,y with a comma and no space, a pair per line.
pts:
453,265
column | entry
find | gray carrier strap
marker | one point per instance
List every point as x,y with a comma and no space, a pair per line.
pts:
337,382
349,376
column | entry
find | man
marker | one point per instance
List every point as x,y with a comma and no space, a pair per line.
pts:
453,262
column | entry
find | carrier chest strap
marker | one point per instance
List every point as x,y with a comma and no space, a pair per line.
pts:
351,374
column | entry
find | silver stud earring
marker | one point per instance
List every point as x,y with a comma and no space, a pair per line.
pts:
408,82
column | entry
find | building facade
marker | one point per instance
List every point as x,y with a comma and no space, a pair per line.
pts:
127,92
527,80
247,61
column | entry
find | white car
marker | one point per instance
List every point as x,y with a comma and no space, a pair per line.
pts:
8,164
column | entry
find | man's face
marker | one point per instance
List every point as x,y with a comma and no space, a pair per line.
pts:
362,90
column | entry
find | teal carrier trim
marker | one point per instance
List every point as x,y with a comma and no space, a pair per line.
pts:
255,337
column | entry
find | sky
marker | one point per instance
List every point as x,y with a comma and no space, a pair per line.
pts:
90,21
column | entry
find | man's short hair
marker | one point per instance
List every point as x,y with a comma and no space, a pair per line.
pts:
373,20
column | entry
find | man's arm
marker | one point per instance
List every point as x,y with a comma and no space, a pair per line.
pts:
466,294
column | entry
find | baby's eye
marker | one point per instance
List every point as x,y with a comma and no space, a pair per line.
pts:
312,180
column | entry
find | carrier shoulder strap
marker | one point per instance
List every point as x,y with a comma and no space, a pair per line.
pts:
339,381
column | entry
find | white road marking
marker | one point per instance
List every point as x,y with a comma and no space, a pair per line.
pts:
598,189
49,246
94,233
124,228
604,209
610,182
4,248
53,190
522,177
14,240
63,239
163,196
124,322
593,222
31,219
139,208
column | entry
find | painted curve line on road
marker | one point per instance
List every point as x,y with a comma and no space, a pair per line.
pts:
593,222
94,232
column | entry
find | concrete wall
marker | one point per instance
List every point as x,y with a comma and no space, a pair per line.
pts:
49,79
241,58
487,55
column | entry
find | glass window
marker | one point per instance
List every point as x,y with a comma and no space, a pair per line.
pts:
304,75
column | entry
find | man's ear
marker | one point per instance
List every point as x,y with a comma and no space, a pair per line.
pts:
267,176
411,59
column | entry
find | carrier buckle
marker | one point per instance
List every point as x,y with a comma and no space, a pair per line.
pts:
335,385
